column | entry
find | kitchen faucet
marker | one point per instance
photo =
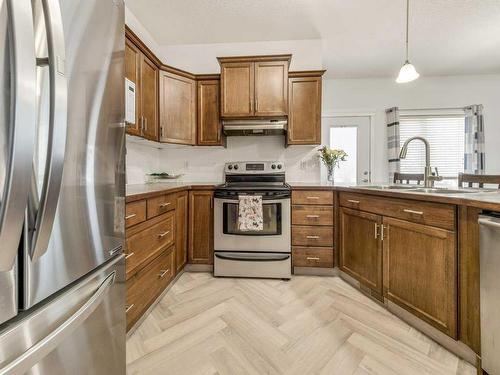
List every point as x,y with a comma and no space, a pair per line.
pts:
429,176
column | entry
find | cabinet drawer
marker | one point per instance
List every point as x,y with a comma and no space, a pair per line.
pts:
312,215
312,236
434,214
313,257
160,205
146,244
135,213
312,197
147,284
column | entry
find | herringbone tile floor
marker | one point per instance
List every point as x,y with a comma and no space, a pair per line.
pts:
309,325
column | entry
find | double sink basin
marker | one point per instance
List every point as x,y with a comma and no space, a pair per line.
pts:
434,190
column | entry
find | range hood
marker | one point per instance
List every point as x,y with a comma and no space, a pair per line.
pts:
254,127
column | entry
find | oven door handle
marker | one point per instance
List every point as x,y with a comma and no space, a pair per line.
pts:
247,258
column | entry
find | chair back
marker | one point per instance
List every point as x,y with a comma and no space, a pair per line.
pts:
471,180
407,178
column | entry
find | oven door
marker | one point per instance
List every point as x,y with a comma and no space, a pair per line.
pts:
275,237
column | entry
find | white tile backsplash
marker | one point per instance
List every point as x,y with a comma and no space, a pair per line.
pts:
206,163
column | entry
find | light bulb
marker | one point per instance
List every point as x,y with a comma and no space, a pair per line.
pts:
407,73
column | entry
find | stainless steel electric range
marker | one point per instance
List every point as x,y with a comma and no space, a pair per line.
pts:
265,253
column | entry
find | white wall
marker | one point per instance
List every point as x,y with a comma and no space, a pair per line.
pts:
202,58
375,95
206,163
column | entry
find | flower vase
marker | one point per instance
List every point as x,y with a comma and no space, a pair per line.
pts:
331,173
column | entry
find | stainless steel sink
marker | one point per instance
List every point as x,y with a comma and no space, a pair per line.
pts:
448,191
390,187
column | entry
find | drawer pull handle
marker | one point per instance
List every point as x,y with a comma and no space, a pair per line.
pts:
312,237
353,201
413,212
312,197
129,255
130,216
128,308
163,273
312,216
163,205
161,235
312,258
376,231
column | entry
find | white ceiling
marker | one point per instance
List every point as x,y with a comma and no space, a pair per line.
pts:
360,38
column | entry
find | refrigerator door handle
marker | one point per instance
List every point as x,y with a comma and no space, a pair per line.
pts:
44,347
22,133
41,229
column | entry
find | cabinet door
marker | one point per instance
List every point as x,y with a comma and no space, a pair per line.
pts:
209,126
237,89
420,272
201,239
149,98
177,109
361,247
132,72
181,231
271,88
304,113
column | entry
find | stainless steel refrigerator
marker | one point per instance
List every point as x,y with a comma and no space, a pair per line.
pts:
62,187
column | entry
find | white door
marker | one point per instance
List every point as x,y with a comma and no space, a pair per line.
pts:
351,134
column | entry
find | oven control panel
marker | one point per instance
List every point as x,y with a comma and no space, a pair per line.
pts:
254,167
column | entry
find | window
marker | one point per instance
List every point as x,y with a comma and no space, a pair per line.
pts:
346,138
445,133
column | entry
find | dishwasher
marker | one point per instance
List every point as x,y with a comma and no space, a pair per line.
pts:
489,240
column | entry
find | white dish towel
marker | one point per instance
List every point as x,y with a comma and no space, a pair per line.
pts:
250,217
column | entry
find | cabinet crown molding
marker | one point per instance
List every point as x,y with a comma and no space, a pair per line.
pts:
258,58
306,73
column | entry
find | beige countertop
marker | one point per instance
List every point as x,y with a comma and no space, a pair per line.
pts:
488,200
140,191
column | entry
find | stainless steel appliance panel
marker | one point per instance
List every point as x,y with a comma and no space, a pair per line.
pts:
80,331
490,292
85,219
17,100
261,265
254,242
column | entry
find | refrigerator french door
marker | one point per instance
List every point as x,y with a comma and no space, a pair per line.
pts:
62,187
77,182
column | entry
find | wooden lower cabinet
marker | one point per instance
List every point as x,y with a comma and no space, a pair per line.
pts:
147,284
181,234
312,256
420,272
361,247
201,239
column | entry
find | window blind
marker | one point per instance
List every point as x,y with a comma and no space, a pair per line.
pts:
445,134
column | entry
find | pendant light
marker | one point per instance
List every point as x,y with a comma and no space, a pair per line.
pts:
408,72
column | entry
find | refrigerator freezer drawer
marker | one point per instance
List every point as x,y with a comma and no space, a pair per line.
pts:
81,331
262,265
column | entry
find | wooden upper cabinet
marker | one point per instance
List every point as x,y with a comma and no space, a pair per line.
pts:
361,247
420,272
271,88
201,229
132,72
143,71
254,86
237,89
209,128
149,98
177,109
304,109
